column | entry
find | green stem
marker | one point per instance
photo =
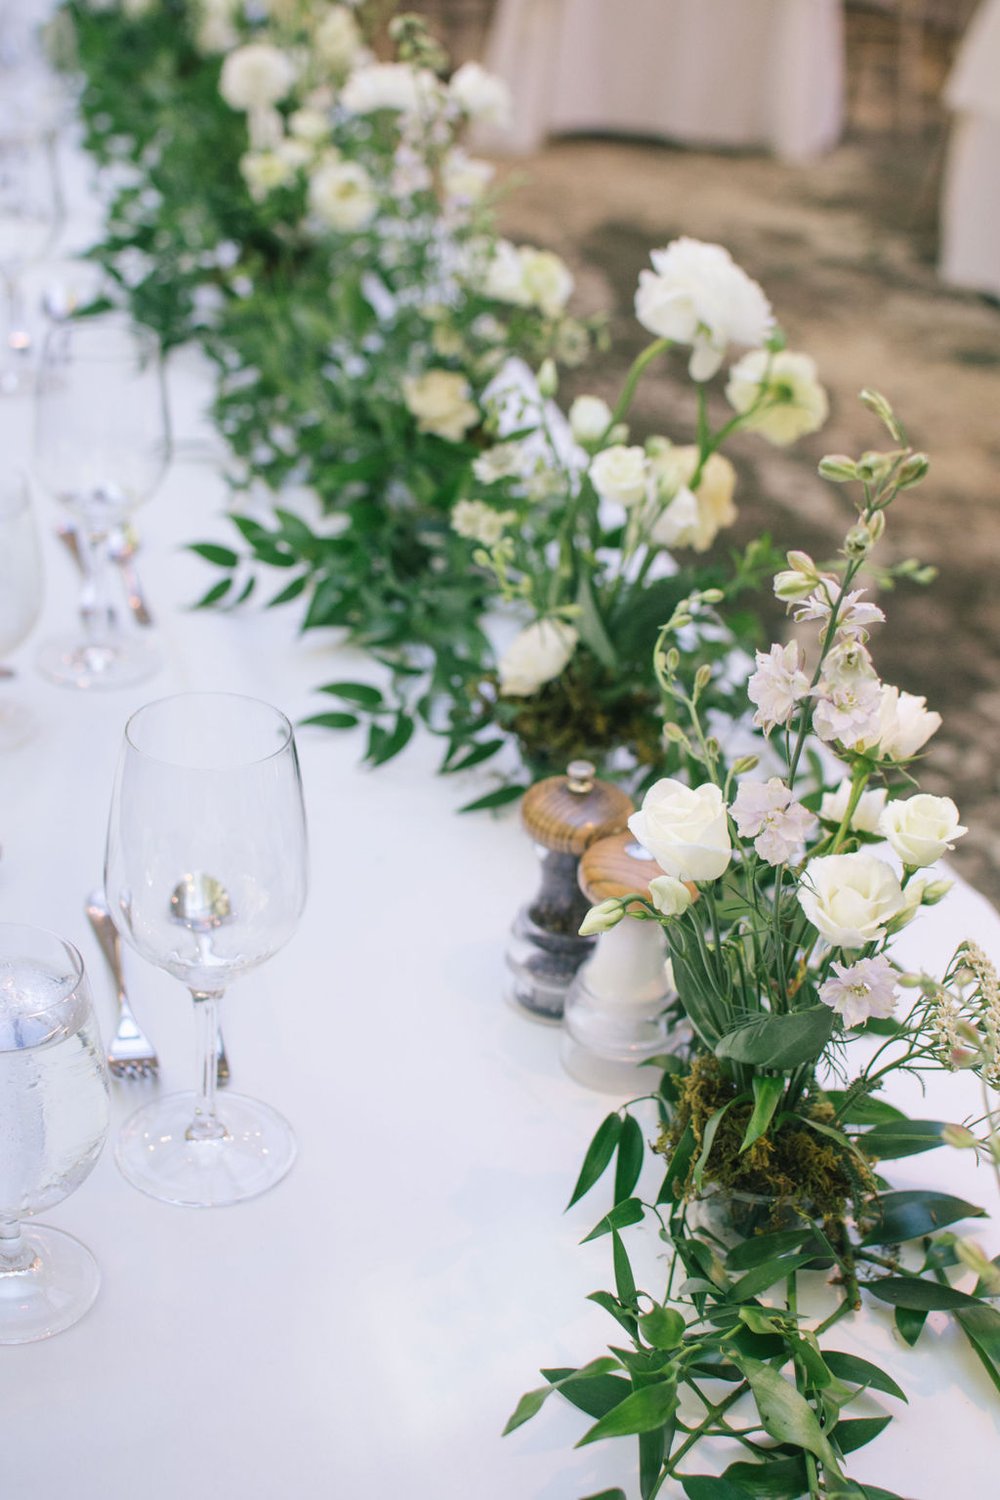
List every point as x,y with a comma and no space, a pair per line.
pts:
697,1433
639,364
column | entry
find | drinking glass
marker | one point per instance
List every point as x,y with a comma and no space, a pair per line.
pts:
205,876
53,1125
30,216
102,444
20,591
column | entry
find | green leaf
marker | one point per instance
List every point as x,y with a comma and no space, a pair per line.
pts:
529,1405
853,1433
652,1447
663,1327
215,593
784,1041
591,627
631,1151
761,1277
599,1153
981,1326
361,693
222,557
610,1304
629,1211
708,1137
919,1296
761,1247
909,1324
593,1394
643,1411
499,798
709,1487
915,1212
863,1109
475,756
624,1279
384,746
332,721
608,1495
896,1138
767,1093
785,1414
294,589
777,1479
862,1372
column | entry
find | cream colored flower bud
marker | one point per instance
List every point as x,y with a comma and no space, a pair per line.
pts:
876,526
670,896
548,378
746,763
913,470
601,918
802,563
702,677
791,585
959,1137
711,596
879,406
838,467
858,541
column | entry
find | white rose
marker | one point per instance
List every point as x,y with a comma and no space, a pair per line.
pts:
677,523
255,75
670,896
697,295
465,178
394,86
589,418
905,724
342,194
850,898
536,656
792,400
481,95
293,153
337,38
309,124
440,402
922,828
479,522
620,475
865,817
673,467
546,279
263,171
685,829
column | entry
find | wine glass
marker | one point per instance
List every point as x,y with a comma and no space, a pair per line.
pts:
205,876
53,1125
20,590
30,217
102,444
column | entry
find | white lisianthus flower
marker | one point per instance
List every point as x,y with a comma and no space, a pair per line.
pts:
394,86
502,461
865,817
263,171
670,896
536,656
674,467
548,281
481,95
697,295
905,725
791,400
767,812
479,522
778,684
342,195
293,153
440,401
850,898
677,522
255,75
465,178
589,418
309,124
215,26
862,990
504,275
601,918
921,828
337,39
620,475
685,829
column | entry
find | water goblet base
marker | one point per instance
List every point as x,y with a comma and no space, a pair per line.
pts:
156,1155
70,662
53,1293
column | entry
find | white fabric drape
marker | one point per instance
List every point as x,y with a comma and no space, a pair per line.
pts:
970,208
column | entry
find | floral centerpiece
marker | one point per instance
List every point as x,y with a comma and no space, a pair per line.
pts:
786,875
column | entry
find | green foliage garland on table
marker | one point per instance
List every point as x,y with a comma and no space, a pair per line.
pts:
779,910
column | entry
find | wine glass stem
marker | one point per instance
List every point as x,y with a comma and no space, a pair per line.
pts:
206,1126
96,610
15,1255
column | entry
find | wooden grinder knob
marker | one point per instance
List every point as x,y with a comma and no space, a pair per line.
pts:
615,867
567,813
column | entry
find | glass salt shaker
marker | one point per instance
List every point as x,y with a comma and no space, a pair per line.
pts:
563,815
619,1010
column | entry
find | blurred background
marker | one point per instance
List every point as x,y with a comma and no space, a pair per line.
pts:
848,244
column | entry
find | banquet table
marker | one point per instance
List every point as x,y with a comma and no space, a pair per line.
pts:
761,73
364,1329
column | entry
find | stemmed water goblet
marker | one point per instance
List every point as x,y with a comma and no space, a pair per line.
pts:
53,1124
20,591
30,217
102,445
205,876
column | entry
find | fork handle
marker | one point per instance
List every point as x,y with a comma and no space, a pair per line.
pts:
106,934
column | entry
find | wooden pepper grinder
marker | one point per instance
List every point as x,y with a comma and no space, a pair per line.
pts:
617,1009
563,815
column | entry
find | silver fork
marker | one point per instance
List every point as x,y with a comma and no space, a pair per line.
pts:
123,544
131,1053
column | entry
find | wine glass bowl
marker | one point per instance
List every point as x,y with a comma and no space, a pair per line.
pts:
30,216
21,592
53,1125
206,878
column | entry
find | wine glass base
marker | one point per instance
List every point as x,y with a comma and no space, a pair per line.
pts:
52,1294
70,662
155,1155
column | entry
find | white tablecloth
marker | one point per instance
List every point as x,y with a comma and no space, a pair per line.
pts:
766,73
363,1331
970,205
